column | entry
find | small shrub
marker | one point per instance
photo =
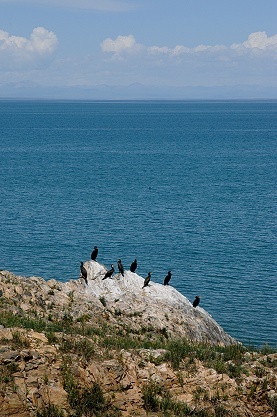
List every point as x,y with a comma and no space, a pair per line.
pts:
71,296
156,360
88,401
269,362
181,409
180,378
234,353
190,365
272,401
67,319
266,350
92,398
164,333
219,365
253,389
150,392
177,350
6,373
52,339
260,371
19,340
83,319
221,411
215,398
50,411
265,384
200,393
82,347
103,301
156,399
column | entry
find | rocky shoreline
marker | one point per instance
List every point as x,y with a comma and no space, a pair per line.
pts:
113,348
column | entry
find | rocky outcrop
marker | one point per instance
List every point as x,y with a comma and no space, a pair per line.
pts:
156,306
160,306
146,350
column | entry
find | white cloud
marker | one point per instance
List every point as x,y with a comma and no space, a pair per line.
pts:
17,52
122,61
180,49
120,45
158,50
128,43
42,41
252,62
258,40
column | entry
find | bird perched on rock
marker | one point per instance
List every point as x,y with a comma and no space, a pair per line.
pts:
167,278
84,273
120,267
196,301
109,273
147,280
133,266
94,253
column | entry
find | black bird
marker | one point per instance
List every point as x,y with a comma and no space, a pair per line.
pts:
196,301
147,280
109,273
133,266
120,267
94,253
167,278
84,273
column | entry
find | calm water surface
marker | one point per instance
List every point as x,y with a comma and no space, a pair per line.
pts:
186,186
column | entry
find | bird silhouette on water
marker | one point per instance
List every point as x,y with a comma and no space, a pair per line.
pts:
84,273
120,267
133,266
109,273
147,280
167,278
196,301
94,253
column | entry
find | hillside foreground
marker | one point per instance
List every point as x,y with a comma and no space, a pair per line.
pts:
112,348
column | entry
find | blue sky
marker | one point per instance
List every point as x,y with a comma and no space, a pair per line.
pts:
173,43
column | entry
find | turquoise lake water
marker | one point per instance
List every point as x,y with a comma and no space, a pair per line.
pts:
186,186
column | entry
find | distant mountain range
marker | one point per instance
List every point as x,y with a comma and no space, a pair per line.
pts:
136,91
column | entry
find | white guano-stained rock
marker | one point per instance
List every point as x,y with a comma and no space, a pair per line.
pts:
156,305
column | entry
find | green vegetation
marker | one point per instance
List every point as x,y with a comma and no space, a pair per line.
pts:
82,347
181,353
52,338
158,399
227,360
103,301
6,374
50,411
8,319
86,401
87,337
19,341
272,401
